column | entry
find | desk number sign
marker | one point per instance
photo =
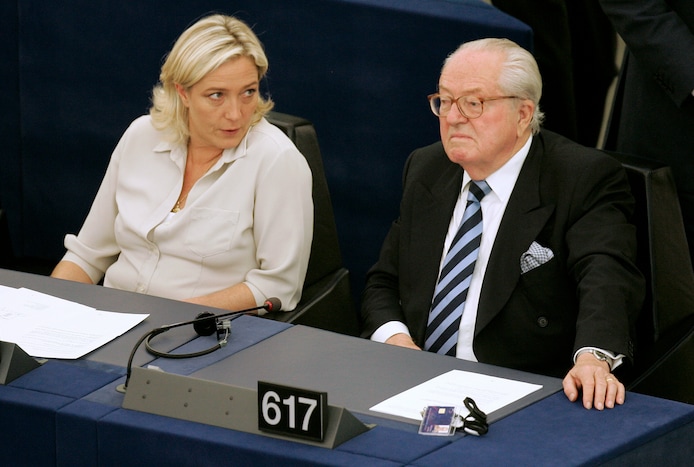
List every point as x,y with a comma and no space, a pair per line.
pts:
292,412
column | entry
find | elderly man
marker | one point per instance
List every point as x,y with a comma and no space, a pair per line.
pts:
512,246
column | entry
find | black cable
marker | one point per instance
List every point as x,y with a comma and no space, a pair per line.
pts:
475,423
158,353
205,324
129,369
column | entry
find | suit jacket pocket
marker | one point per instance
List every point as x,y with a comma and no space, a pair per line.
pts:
549,299
543,274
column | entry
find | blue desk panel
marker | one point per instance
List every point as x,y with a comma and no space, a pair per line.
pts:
76,426
156,440
27,426
556,432
28,407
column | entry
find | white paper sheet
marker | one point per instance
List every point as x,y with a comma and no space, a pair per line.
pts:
490,393
50,327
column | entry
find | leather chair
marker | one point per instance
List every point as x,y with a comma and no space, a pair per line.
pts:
664,353
326,301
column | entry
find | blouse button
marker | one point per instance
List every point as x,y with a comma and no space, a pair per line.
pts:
542,322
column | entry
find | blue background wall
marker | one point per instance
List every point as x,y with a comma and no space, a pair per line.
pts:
76,73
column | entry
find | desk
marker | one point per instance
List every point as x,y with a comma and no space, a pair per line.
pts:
356,373
68,413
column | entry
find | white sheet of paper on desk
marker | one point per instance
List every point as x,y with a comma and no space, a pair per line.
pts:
50,327
490,393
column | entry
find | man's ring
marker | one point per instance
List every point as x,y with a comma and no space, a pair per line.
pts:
609,379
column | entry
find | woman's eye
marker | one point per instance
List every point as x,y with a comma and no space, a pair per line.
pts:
215,96
249,92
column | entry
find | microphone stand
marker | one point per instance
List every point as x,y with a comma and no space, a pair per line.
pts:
202,326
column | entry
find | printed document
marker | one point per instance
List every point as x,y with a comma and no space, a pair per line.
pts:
50,327
490,393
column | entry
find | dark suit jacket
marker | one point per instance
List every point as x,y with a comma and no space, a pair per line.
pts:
654,115
569,198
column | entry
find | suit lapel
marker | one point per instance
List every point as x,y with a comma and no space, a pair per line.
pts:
523,220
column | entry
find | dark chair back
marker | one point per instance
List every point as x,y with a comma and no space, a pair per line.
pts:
664,355
6,256
326,301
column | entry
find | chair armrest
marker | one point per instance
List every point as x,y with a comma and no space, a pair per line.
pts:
325,304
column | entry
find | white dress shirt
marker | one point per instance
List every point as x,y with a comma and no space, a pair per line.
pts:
248,220
493,207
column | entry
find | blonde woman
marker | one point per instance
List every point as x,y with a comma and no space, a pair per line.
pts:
203,199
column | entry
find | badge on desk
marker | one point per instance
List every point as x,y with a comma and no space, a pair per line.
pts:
438,421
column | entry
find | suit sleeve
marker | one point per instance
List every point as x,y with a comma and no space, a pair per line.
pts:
381,302
660,39
602,249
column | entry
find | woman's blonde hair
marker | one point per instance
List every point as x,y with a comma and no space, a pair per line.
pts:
202,48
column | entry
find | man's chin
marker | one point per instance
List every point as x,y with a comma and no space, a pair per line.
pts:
458,153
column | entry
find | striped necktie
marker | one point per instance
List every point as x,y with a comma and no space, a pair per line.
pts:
454,281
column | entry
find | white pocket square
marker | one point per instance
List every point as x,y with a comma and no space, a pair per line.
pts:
537,255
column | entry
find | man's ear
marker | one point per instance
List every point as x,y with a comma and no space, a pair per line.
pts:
183,93
526,109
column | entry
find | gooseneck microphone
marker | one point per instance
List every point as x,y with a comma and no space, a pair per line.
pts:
205,324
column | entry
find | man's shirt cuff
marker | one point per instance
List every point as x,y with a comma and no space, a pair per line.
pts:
385,331
613,361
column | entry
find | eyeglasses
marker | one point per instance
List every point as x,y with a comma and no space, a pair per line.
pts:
468,106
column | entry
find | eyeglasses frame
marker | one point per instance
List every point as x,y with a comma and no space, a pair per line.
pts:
482,100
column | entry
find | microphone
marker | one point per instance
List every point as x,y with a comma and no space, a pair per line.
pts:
205,324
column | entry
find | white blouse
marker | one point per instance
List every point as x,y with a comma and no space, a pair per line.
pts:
248,220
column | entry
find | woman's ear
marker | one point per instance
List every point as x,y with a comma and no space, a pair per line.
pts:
183,93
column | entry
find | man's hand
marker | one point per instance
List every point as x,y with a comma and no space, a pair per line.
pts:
600,388
402,340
